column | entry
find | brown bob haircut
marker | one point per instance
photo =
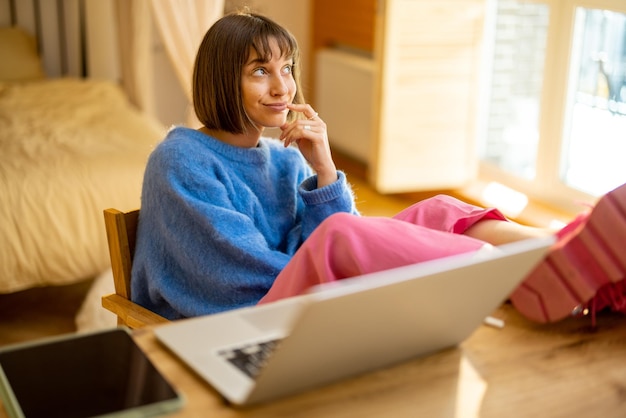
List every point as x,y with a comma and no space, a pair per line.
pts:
218,69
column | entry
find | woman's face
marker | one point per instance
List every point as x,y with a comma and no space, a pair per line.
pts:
267,88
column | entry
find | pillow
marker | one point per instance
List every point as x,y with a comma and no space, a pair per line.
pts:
19,57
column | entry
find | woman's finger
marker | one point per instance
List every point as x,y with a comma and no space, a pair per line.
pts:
305,108
301,126
301,129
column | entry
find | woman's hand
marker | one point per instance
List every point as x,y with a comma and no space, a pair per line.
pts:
312,139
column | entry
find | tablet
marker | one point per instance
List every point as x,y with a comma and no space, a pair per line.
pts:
97,374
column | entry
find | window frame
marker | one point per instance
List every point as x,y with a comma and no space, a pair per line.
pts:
546,187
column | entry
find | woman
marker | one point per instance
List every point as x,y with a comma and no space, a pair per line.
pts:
231,219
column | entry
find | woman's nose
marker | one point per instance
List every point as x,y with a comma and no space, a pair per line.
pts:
279,86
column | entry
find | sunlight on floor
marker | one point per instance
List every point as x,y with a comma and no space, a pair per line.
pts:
471,389
510,202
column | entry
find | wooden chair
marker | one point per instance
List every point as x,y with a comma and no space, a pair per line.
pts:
121,228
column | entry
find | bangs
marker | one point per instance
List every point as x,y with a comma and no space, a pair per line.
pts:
286,44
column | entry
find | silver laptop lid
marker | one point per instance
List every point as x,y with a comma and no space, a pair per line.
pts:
379,319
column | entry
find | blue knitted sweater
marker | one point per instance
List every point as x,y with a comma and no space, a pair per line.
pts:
218,222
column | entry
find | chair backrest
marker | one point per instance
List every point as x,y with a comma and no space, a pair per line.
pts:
121,229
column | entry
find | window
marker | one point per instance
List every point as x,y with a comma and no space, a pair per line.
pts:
594,155
555,115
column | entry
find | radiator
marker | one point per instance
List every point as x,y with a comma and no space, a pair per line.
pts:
344,99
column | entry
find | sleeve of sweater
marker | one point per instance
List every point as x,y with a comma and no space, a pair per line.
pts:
319,204
198,252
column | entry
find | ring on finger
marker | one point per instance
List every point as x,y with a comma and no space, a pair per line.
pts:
307,127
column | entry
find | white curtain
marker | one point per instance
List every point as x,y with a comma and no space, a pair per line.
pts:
181,25
134,37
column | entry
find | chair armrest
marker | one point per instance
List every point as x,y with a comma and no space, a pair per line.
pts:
130,313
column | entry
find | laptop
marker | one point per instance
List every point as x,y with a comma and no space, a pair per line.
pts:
336,330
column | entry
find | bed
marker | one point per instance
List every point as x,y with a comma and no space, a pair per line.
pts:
69,148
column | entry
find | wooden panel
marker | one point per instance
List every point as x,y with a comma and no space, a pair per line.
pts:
428,56
344,97
347,22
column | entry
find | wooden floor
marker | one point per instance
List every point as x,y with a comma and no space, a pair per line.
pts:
42,312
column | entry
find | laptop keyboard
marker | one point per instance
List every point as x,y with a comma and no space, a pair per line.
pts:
250,358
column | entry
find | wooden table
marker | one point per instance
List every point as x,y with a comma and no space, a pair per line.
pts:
522,370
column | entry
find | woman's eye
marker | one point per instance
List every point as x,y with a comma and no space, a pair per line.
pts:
259,71
288,69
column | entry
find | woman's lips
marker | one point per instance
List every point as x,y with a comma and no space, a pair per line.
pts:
277,107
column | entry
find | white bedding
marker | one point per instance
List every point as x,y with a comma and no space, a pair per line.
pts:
69,148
